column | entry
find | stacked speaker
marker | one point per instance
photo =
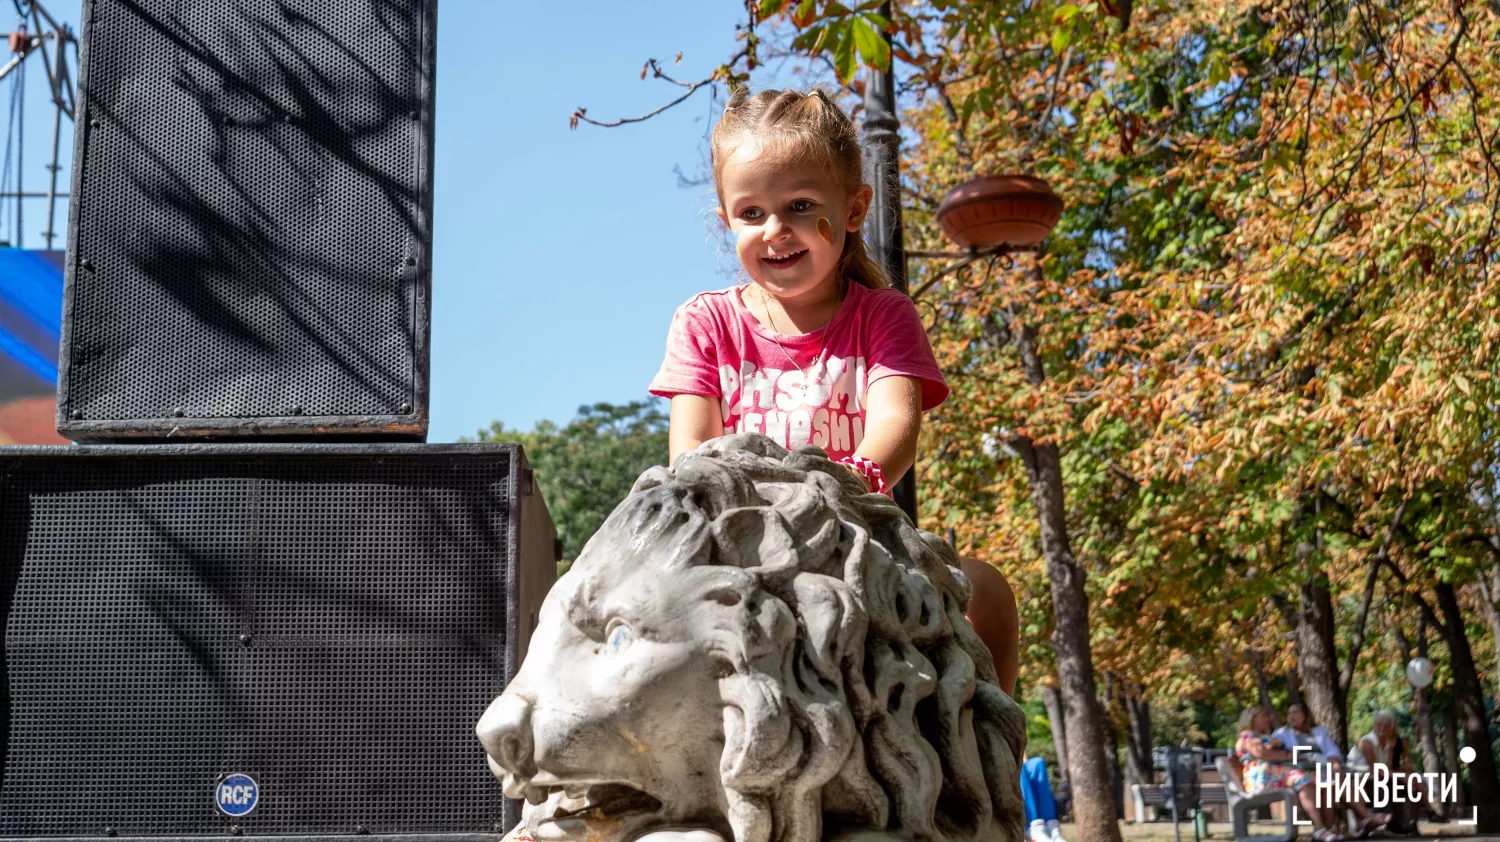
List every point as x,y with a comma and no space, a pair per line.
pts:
252,602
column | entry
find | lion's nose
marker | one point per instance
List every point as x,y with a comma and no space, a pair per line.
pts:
505,731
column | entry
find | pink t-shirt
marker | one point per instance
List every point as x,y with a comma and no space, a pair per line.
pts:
716,348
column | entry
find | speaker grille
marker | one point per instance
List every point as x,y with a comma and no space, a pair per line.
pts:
253,195
332,627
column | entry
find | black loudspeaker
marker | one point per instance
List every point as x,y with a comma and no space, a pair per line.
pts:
249,245
261,640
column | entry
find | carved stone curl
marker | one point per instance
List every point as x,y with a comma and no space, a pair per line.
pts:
754,647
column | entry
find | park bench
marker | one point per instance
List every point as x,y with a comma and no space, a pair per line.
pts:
1241,804
1155,795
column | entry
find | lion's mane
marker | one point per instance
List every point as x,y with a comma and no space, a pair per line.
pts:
883,715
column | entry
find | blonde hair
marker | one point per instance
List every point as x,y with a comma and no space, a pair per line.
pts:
802,125
1247,719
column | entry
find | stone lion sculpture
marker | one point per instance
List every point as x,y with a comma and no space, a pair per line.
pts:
754,647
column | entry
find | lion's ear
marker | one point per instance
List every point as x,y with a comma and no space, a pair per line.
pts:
755,537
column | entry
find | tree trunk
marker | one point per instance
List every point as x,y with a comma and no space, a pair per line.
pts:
1422,717
1052,701
1488,593
1234,685
1289,615
1317,657
1450,759
1431,762
1092,799
1262,684
1138,747
1468,707
1112,746
1293,686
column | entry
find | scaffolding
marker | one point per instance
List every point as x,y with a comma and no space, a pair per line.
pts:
37,33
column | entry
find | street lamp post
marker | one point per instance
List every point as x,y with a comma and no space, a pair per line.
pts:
882,142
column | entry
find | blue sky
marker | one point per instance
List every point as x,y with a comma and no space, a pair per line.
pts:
559,255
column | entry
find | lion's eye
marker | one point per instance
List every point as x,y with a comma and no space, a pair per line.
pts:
619,636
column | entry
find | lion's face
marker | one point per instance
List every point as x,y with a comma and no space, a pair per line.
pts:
614,725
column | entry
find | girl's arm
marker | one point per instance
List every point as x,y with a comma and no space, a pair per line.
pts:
695,420
893,418
1261,751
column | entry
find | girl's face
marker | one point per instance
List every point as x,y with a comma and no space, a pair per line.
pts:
1296,718
1260,723
789,219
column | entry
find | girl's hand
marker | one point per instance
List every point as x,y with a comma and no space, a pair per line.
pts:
695,420
893,420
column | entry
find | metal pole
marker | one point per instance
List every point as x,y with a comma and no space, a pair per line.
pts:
21,158
882,144
57,115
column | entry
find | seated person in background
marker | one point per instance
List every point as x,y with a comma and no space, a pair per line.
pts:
1267,766
1299,730
1041,808
1383,746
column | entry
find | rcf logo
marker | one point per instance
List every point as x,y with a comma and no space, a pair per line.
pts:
236,795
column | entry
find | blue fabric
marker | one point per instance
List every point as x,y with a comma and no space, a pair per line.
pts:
1036,791
31,288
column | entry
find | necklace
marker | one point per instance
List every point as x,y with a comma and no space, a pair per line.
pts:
765,301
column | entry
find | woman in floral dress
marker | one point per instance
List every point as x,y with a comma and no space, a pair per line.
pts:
1266,765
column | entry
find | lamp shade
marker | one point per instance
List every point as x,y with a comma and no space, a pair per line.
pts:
1014,210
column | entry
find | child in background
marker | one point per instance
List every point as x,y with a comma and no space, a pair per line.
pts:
817,348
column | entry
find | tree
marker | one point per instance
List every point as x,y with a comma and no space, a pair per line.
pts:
588,466
1256,374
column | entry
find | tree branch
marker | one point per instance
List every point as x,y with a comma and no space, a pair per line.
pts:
1432,617
581,114
1347,677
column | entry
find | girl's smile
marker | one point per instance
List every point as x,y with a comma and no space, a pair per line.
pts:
784,261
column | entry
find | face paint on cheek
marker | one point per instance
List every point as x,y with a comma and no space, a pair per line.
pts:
825,229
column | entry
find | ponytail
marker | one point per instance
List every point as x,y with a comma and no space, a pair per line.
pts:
856,265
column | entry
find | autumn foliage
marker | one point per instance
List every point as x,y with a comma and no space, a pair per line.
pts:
1267,322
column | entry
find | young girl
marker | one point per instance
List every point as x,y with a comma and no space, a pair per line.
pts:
817,348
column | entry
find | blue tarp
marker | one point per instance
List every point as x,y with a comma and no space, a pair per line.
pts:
31,311
31,285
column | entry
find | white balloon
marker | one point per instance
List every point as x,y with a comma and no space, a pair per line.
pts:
1419,672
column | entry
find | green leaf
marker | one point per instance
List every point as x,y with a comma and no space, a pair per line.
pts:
1065,13
844,58
771,7
872,45
1218,69
1061,38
